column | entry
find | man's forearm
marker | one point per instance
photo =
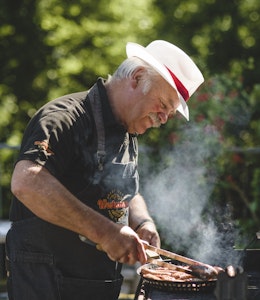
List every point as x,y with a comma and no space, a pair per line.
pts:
138,212
47,198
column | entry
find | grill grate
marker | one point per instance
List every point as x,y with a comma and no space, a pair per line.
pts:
176,286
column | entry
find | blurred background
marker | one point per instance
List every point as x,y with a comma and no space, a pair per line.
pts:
201,178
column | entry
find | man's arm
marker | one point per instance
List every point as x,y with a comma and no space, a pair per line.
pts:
47,198
141,221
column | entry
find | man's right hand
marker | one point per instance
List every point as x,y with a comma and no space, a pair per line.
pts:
123,245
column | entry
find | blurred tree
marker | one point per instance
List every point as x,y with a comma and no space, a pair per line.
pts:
88,38
223,34
23,56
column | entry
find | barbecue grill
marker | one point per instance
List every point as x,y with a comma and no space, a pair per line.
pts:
244,284
245,287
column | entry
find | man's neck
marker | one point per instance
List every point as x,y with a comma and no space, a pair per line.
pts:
117,98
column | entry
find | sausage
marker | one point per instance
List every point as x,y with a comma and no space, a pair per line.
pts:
165,274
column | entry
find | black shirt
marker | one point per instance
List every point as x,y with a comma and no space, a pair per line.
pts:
62,137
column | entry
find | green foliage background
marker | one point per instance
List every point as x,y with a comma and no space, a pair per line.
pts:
52,47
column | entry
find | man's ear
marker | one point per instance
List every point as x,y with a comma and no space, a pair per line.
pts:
136,76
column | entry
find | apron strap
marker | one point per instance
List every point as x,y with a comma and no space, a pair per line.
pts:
97,113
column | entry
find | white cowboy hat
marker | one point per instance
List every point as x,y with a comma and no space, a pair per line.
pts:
174,65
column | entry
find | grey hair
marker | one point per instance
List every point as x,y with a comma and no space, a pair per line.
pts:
127,68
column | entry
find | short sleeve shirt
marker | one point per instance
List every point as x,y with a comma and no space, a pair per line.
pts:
62,137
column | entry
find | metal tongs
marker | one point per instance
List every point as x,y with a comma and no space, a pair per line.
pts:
196,268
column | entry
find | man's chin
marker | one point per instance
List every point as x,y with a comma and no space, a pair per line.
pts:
143,129
157,125
139,131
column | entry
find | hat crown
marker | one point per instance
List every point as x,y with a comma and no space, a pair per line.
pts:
178,63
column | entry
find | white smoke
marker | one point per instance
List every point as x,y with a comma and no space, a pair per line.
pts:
178,194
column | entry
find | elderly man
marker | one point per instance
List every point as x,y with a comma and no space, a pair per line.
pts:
77,215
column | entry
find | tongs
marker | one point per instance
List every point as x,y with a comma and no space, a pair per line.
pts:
197,269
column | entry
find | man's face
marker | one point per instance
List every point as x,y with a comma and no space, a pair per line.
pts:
153,107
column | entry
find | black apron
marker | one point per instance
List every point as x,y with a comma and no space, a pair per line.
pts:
47,262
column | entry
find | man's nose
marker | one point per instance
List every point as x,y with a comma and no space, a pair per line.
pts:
163,117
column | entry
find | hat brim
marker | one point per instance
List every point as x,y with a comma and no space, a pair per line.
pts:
133,49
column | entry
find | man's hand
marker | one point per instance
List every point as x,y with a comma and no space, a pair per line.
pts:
123,245
148,232
141,221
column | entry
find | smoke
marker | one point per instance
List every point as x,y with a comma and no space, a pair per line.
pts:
178,196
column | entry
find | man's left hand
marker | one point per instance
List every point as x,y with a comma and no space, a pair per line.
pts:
148,233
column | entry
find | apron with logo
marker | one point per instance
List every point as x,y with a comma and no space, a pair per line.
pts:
44,260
